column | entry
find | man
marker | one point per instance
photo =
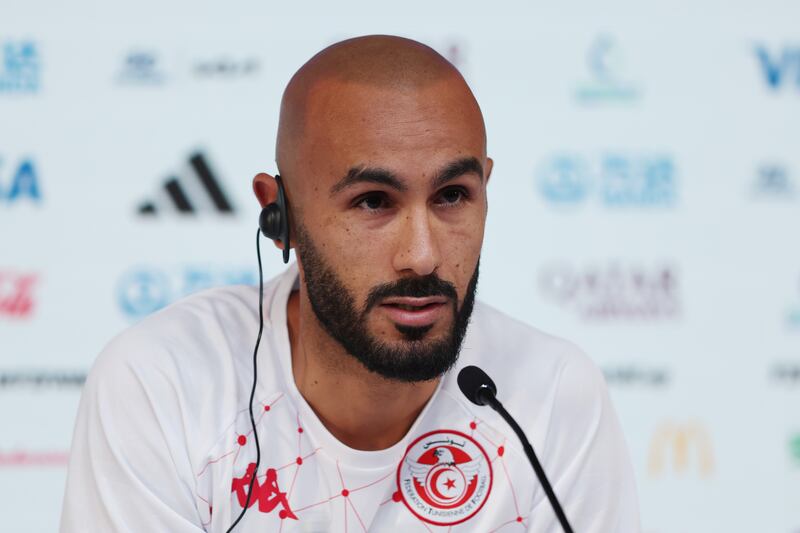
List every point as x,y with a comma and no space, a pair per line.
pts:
361,426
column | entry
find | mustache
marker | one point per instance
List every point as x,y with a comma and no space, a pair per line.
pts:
430,285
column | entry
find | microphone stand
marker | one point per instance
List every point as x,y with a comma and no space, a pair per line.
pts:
488,397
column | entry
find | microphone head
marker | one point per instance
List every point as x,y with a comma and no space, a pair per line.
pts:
476,384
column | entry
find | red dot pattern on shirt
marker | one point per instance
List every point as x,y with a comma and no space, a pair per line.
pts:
346,492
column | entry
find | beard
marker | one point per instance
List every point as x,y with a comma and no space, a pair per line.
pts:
414,359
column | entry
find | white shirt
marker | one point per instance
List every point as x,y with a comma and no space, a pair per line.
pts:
163,437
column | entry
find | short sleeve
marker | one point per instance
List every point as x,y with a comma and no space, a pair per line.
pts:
129,468
586,458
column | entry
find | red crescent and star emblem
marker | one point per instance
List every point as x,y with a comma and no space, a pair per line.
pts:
445,477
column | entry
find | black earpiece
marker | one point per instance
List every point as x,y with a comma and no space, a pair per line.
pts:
274,219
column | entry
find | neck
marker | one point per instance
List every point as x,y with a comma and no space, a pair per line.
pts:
374,413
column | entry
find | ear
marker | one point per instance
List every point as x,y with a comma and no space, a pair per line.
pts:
266,190
487,174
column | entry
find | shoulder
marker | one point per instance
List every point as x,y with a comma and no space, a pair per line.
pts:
552,388
183,337
529,361
179,373
199,346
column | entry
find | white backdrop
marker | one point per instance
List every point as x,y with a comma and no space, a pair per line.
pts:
645,204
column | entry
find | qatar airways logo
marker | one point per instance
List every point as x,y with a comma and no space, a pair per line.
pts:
613,291
16,294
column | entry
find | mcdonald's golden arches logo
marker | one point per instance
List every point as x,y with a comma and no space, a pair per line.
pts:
676,442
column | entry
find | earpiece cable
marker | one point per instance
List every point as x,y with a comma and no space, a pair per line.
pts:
254,475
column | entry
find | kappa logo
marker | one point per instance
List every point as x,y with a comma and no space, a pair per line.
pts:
196,190
444,478
267,494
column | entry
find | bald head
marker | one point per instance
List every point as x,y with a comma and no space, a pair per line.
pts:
382,148
368,84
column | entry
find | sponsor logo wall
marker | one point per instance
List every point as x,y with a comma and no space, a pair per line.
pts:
645,200
780,66
195,190
19,181
144,290
606,81
613,291
20,67
613,180
17,298
680,448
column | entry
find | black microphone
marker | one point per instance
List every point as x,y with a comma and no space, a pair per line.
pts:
481,390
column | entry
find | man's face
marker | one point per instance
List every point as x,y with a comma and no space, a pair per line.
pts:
419,358
389,203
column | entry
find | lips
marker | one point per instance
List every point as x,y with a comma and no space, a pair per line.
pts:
409,311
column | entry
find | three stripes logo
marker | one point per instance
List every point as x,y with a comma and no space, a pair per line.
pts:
196,190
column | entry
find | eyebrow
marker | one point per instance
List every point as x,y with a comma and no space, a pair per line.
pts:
382,176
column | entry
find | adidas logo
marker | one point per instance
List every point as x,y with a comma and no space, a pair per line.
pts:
196,190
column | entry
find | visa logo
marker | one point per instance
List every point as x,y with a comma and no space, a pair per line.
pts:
780,67
22,182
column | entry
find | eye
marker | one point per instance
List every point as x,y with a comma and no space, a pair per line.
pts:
453,196
373,201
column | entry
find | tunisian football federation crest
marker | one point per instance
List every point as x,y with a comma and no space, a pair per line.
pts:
445,477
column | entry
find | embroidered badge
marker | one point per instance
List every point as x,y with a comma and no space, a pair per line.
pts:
445,477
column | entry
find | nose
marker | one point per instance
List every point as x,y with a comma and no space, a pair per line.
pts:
418,248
